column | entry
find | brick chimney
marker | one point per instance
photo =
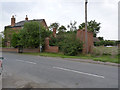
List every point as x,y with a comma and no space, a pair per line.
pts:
54,32
13,21
26,18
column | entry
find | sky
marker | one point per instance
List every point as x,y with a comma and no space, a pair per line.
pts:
64,12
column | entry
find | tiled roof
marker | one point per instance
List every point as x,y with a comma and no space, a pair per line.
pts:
21,23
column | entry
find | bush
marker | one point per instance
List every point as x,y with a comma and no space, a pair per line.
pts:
105,43
53,41
72,47
67,43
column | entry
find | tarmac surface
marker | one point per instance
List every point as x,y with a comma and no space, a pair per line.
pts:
46,72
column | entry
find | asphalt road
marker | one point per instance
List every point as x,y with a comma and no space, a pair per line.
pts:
57,72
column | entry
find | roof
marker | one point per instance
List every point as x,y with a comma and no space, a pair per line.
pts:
21,23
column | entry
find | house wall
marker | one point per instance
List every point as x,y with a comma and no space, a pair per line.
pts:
81,35
44,24
8,34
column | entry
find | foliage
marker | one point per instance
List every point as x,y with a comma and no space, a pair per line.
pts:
72,47
92,26
3,42
67,43
62,29
105,43
72,26
14,40
53,41
30,37
8,33
54,25
117,42
100,38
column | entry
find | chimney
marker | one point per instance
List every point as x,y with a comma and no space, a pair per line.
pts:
54,32
13,21
26,18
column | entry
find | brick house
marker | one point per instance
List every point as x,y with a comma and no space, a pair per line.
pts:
15,27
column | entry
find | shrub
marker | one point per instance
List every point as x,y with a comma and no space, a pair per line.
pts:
72,47
67,43
53,41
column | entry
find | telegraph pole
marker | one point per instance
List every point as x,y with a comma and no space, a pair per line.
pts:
86,39
40,39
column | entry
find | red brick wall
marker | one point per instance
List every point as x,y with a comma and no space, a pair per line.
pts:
53,49
81,35
9,49
54,32
50,48
24,50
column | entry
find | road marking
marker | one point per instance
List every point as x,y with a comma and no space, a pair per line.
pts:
26,61
79,72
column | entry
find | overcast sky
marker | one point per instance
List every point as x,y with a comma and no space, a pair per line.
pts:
63,11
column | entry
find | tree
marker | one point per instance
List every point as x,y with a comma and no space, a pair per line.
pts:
92,26
100,38
54,25
14,40
62,29
72,26
30,37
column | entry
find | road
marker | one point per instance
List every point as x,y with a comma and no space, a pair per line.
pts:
38,71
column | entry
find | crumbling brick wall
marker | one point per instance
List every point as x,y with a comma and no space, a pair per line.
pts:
48,48
81,35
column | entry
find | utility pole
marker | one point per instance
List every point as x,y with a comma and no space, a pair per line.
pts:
86,39
40,39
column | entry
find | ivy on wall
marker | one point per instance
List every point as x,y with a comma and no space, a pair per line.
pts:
8,33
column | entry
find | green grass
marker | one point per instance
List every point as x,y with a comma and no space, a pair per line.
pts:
101,50
103,58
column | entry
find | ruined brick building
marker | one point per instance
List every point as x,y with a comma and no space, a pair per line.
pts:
16,26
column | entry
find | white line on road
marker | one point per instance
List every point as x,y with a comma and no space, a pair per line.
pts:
26,61
79,72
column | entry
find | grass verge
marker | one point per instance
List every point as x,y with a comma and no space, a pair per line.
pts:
103,58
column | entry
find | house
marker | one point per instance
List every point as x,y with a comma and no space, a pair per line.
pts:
15,27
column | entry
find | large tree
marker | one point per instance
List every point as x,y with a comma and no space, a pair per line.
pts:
31,37
92,26
62,29
54,25
15,39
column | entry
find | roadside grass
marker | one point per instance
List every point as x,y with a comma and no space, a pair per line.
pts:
101,50
102,58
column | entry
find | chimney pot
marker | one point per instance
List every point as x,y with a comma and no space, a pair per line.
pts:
26,18
13,21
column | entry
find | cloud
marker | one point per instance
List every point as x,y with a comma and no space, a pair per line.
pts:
63,11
